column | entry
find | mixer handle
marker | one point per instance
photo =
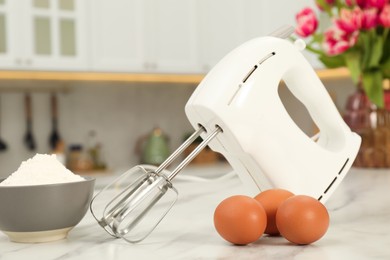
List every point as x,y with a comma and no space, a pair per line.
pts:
309,89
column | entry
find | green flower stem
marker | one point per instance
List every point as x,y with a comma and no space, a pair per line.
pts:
316,51
385,33
339,5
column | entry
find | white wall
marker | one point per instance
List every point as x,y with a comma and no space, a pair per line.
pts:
120,113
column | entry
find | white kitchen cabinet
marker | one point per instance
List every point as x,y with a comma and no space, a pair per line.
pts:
171,38
8,39
143,36
221,28
44,35
278,12
178,36
226,24
254,19
135,36
117,30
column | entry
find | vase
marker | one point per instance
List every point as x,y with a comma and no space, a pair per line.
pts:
373,125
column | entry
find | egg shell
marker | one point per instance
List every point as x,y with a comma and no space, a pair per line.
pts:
240,219
302,219
271,200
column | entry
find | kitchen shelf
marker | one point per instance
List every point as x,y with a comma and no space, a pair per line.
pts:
324,74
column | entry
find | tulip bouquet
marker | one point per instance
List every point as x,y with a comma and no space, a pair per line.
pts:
355,35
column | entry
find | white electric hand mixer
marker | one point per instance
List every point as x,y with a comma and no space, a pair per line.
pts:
238,112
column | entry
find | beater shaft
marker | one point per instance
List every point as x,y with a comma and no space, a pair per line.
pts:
194,153
179,150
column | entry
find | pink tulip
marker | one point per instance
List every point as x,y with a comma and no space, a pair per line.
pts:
307,22
370,18
350,20
338,41
360,3
353,38
336,49
376,3
384,17
350,2
367,3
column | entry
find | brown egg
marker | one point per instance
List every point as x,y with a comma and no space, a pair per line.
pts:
271,200
302,219
240,219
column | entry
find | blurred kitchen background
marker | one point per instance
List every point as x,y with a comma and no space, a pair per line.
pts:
121,68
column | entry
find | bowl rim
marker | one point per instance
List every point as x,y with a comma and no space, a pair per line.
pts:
86,179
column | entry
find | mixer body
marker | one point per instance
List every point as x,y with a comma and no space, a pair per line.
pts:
260,140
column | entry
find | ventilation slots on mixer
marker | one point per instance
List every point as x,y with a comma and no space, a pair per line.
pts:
256,66
335,178
249,74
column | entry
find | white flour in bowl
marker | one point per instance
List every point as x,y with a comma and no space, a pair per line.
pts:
41,169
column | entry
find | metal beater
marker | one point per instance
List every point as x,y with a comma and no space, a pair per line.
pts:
123,208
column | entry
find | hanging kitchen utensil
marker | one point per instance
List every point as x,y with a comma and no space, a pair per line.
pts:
54,137
29,139
3,145
236,108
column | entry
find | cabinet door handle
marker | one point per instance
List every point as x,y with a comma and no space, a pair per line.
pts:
18,61
28,62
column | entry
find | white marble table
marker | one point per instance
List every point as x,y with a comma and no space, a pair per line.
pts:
359,229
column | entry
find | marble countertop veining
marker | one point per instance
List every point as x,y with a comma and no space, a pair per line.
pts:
359,228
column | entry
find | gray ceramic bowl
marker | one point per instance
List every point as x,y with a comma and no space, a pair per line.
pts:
41,213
